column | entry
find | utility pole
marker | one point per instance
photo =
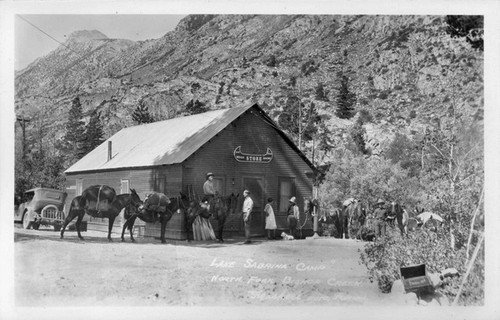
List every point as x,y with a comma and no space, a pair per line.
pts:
22,121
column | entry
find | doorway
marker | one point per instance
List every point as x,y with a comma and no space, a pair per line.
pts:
255,185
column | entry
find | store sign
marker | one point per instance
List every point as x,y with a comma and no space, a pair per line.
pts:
256,158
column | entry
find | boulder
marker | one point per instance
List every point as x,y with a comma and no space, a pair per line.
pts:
435,279
411,299
434,303
398,287
449,272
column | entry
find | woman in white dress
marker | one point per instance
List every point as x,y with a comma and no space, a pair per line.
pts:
270,220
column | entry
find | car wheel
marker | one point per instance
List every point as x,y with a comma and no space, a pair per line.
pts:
26,221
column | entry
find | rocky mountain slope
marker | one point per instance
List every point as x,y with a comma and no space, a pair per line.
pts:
406,71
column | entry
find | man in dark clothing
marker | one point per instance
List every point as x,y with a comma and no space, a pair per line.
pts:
292,216
380,215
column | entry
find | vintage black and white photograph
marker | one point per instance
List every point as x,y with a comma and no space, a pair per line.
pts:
219,162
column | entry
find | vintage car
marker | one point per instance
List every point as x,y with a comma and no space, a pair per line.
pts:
43,206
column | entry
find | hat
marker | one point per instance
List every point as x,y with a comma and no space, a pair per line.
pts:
209,174
246,191
292,199
380,201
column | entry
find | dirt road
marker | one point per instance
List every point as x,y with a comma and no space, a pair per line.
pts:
51,272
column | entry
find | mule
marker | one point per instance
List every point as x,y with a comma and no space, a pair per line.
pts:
222,207
400,216
157,208
100,202
352,211
325,216
357,217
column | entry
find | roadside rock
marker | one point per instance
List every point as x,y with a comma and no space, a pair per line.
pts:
411,299
435,279
397,287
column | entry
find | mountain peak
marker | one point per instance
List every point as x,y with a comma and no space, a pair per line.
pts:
86,35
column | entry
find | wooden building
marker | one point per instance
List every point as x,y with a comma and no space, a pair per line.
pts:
242,146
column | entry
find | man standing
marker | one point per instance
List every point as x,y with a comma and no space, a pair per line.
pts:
292,216
247,211
380,215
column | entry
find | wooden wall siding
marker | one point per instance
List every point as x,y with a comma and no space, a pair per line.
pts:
175,228
254,136
142,180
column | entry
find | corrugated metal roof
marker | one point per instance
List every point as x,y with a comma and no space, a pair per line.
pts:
159,143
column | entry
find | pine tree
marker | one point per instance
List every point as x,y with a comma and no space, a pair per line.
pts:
75,129
345,100
195,107
469,27
141,114
93,135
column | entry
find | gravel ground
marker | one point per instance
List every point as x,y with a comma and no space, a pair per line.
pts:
92,279
68,272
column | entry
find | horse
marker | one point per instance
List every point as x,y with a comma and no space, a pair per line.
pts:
100,201
400,216
311,206
357,216
325,216
157,207
352,210
221,207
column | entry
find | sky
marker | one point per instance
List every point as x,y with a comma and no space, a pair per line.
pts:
37,35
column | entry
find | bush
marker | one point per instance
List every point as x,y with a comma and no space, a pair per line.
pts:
384,258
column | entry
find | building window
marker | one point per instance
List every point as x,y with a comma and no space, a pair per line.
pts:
219,185
125,186
79,187
286,191
160,184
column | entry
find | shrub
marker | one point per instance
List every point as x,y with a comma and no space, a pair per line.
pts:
384,258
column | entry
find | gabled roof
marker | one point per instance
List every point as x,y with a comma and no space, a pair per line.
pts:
164,142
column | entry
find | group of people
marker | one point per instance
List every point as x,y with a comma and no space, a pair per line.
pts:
202,229
270,223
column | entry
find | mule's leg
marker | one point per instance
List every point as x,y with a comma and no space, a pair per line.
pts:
131,227
79,223
110,226
129,223
125,225
163,220
68,219
221,221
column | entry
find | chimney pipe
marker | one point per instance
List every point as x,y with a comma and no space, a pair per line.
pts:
110,153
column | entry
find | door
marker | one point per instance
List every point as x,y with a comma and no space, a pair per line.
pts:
256,187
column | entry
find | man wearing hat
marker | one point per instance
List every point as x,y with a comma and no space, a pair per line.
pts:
292,216
208,188
247,211
380,214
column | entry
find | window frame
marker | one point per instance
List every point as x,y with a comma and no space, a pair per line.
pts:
281,201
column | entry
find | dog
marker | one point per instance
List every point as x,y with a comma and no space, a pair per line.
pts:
286,236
